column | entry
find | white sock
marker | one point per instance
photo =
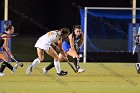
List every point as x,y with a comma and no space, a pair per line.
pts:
35,62
57,66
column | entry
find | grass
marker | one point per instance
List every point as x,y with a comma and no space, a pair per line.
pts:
98,78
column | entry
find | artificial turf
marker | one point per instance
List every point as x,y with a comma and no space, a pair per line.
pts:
98,78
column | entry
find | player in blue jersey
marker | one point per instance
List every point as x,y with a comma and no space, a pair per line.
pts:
4,38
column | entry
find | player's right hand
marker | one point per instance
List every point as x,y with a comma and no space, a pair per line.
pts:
12,56
66,59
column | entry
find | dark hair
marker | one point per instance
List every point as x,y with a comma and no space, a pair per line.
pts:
76,26
64,31
7,26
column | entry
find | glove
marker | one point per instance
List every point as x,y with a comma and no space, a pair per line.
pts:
12,56
66,59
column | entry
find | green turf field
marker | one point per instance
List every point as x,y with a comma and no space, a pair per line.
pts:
98,78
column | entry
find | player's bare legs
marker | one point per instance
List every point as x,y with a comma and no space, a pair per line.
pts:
5,64
53,54
40,53
40,58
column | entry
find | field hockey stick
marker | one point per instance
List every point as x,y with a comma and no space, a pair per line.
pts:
20,64
67,60
72,67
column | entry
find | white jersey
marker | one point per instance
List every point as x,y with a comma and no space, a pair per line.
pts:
45,41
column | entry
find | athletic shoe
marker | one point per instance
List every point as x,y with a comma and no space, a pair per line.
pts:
65,72
138,68
80,70
13,71
29,70
1,74
16,66
44,71
62,73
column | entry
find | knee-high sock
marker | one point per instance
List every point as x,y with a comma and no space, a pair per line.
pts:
3,66
9,65
51,65
35,62
57,66
75,62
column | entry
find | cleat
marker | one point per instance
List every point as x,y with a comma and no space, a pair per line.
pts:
29,70
16,66
138,68
13,71
1,74
65,72
62,73
44,71
80,70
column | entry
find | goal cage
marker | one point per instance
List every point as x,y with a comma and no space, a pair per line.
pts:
108,29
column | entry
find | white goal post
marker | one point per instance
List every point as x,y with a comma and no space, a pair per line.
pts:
104,8
5,10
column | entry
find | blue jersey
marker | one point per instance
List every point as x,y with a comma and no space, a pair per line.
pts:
77,41
66,44
1,41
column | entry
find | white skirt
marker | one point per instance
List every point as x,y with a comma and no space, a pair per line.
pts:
42,45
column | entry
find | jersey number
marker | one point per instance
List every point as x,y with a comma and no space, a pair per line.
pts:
50,33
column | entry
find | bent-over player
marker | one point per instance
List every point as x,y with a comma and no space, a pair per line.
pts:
44,44
71,45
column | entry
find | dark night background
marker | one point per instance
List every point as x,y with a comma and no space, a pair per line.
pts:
39,16
33,18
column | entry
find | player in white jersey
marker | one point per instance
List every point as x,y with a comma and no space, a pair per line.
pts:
44,43
71,45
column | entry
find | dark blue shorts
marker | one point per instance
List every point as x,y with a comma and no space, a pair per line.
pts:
65,46
1,50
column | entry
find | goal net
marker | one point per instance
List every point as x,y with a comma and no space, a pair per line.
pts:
108,29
